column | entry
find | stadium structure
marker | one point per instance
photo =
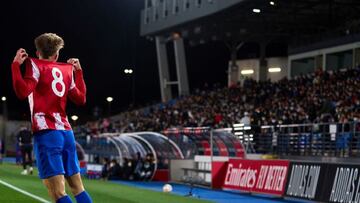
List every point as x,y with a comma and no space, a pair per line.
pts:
314,160
320,35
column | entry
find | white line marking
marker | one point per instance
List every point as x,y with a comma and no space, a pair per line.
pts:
23,192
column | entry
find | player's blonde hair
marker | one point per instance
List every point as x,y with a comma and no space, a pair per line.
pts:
48,44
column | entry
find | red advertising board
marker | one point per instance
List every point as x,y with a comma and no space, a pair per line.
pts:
161,175
259,176
218,171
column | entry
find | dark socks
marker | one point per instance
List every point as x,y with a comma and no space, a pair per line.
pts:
65,199
83,197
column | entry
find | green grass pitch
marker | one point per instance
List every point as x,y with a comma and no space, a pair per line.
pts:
101,191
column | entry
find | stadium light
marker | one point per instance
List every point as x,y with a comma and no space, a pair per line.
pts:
109,99
129,71
3,99
274,70
247,72
256,10
74,117
176,36
272,3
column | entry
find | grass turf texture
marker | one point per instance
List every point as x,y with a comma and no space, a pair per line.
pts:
10,195
100,191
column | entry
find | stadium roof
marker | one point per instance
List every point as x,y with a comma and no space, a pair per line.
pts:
293,21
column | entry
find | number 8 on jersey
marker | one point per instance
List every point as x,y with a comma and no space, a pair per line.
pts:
58,79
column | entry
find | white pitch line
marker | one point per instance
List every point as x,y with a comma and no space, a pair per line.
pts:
23,192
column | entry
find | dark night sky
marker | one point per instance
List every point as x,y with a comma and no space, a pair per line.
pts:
104,35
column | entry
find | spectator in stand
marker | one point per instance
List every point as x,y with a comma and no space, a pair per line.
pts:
246,119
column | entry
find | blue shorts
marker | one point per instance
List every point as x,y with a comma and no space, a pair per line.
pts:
55,152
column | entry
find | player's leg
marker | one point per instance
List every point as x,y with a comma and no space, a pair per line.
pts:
30,160
23,156
56,187
75,184
77,189
48,147
72,169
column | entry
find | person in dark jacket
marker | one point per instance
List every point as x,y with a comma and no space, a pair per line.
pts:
24,138
105,169
114,170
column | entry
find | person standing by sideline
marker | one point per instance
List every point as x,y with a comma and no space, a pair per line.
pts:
24,138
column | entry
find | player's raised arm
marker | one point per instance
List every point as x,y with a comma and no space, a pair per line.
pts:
23,86
77,93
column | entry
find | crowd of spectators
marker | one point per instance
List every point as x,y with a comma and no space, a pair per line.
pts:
319,97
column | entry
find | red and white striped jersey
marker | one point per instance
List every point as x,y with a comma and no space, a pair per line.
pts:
47,85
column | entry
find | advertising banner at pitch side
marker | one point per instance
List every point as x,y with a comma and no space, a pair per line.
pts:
306,180
342,183
259,176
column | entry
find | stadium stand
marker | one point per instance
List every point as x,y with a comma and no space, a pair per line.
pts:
320,97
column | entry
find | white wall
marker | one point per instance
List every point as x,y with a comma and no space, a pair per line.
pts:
277,62
326,53
248,64
254,64
176,171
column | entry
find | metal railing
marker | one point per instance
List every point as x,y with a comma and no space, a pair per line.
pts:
325,139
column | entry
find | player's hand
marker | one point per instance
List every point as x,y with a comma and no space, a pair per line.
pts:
20,56
75,62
